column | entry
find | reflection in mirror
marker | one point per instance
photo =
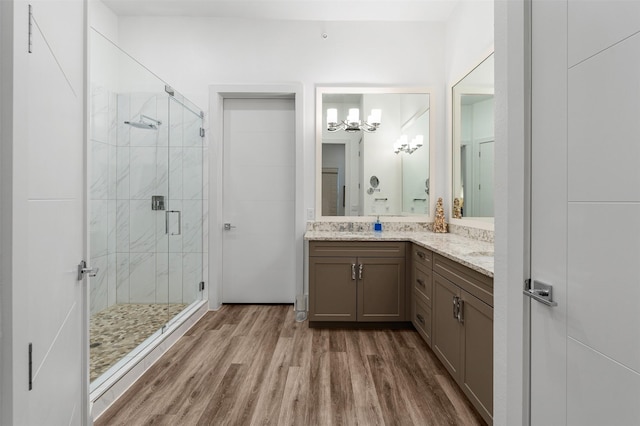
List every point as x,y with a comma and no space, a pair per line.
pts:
473,143
378,165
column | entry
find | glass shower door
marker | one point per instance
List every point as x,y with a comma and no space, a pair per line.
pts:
147,209
185,205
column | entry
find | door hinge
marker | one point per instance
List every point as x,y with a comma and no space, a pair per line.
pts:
201,132
30,50
82,269
201,286
30,366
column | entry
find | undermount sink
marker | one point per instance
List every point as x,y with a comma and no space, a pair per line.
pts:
481,254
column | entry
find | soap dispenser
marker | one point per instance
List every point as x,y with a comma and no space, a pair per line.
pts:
377,226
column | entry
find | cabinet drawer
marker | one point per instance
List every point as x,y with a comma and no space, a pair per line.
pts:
357,248
421,320
422,283
421,256
474,282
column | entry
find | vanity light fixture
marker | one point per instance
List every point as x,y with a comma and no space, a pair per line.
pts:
353,123
403,144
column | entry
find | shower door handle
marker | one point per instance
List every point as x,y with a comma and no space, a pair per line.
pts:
166,222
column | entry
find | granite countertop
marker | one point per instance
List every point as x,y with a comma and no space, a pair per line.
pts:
475,254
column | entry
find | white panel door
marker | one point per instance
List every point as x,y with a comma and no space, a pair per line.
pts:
585,231
258,263
50,313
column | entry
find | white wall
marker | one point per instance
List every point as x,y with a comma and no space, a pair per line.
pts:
510,215
103,20
193,53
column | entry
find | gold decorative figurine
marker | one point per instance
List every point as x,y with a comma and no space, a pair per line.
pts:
457,213
439,225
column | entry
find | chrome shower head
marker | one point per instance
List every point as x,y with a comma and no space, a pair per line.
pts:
143,123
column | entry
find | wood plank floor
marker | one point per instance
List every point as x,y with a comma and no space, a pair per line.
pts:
254,365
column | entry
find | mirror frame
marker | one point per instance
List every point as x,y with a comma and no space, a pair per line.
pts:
487,223
337,89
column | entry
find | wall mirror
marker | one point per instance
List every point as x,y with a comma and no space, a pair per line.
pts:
473,145
374,148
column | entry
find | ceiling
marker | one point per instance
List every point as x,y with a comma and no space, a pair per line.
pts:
304,10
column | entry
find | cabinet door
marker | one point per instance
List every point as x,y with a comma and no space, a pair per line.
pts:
446,329
477,353
332,288
381,289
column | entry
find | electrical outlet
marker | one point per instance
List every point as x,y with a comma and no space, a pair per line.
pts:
310,214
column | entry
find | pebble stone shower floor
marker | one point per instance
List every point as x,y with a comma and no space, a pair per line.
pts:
117,330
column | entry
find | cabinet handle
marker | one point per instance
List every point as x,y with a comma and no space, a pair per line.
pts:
420,318
460,310
455,308
421,255
360,268
353,271
420,282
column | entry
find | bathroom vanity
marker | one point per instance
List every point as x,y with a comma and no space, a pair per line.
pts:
357,281
441,283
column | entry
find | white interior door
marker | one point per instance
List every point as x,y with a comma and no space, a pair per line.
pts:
258,261
330,191
585,352
49,223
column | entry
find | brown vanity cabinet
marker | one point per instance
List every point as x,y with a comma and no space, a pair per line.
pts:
463,330
357,281
421,289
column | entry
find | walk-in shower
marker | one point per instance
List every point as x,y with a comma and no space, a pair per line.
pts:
147,209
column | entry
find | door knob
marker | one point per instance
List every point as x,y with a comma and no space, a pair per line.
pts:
539,291
228,226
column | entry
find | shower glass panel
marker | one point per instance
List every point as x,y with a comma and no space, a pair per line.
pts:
147,208
185,203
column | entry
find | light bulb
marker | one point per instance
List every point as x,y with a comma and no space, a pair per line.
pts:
375,116
332,115
354,115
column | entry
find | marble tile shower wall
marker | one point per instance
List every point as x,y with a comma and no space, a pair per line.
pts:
143,263
103,198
